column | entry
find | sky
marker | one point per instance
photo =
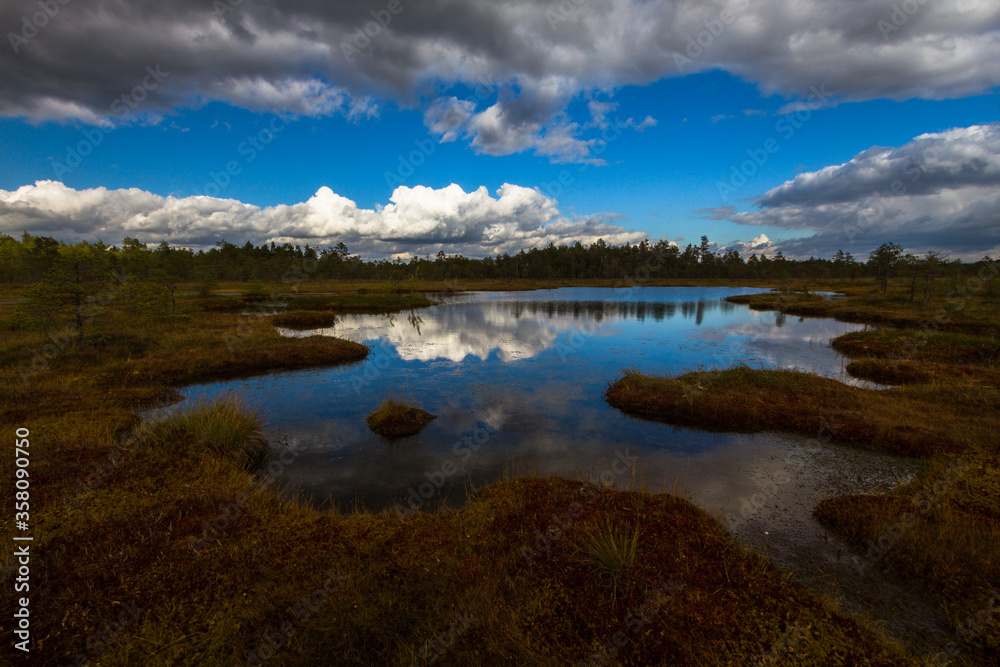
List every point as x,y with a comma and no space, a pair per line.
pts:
406,127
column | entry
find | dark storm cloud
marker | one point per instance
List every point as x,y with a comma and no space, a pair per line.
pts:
313,57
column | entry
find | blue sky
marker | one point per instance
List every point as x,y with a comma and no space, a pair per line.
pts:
344,127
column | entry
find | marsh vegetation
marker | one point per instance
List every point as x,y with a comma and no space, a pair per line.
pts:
176,517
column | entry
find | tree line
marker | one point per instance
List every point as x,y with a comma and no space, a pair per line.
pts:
68,284
31,258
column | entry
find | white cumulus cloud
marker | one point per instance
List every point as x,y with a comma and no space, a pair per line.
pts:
417,220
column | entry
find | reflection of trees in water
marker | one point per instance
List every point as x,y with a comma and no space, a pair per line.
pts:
415,321
598,310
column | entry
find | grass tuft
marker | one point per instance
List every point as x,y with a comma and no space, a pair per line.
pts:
395,419
611,548
226,427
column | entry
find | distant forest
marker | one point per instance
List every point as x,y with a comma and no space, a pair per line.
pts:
32,259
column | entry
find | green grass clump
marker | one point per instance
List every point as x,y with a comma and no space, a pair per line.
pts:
225,427
611,548
395,419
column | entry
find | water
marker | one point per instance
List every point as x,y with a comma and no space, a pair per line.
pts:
516,380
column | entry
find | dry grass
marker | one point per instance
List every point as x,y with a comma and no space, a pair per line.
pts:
920,420
394,418
304,319
226,427
369,303
978,316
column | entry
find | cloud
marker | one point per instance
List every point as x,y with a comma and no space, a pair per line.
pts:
646,122
761,245
446,117
599,111
317,58
716,212
418,220
939,191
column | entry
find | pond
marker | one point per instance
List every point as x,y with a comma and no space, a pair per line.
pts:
516,382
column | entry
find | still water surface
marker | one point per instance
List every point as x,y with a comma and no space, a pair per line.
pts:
516,380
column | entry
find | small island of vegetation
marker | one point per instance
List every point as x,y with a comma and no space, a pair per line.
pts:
394,418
